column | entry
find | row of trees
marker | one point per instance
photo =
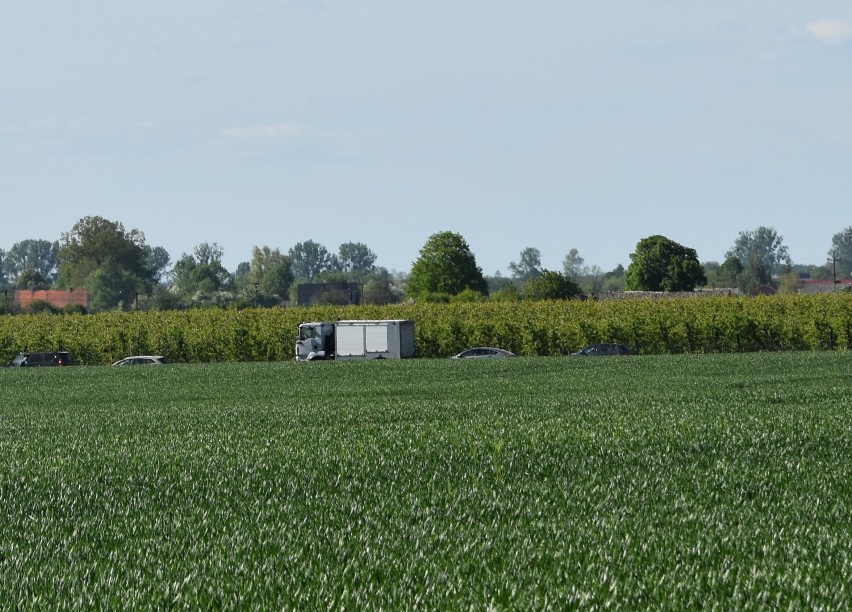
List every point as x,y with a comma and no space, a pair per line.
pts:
121,271
447,269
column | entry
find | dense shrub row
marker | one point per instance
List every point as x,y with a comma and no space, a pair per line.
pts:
723,324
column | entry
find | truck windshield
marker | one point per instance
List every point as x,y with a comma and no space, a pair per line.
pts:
306,333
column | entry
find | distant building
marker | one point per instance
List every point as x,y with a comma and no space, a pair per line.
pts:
58,298
766,289
338,294
810,285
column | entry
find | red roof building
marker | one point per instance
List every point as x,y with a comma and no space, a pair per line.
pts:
58,298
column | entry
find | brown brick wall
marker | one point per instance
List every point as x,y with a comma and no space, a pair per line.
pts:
58,298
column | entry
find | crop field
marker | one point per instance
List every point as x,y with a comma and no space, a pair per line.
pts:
673,481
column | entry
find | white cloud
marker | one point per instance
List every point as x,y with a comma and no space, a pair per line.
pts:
831,30
275,131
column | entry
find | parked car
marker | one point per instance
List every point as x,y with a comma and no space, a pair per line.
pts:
604,349
142,360
41,359
481,352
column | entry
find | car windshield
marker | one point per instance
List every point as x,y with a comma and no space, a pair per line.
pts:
306,333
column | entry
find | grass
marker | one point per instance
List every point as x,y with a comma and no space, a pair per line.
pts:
662,482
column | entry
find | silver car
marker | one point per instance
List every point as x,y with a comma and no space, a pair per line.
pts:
142,360
483,352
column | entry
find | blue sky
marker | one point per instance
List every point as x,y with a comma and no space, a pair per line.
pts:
554,124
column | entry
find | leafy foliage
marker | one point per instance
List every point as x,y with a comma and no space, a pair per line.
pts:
200,277
34,259
763,245
445,266
309,259
528,265
661,264
271,272
841,253
355,257
100,255
675,325
550,285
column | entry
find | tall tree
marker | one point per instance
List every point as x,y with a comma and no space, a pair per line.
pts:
309,258
201,272
94,242
550,285
38,255
840,255
572,265
729,271
208,253
157,260
445,266
31,279
764,243
3,281
271,272
528,265
356,257
112,286
753,275
661,264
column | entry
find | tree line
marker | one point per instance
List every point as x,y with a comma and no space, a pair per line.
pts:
122,271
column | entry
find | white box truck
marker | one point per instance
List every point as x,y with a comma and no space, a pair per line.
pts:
381,339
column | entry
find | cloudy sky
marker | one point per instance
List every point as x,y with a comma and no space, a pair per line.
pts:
554,124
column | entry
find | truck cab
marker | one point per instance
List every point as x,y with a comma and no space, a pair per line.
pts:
315,341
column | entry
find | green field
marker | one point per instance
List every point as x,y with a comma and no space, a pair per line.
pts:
676,482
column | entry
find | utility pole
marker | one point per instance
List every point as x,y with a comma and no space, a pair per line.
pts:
834,260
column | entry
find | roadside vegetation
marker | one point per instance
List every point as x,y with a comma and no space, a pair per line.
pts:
685,481
530,328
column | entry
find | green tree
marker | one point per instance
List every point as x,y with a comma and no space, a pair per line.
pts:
378,291
497,283
157,260
764,243
753,275
201,273
31,279
38,255
572,265
3,281
550,285
729,272
309,259
355,257
528,265
661,264
271,272
111,286
613,280
840,255
94,242
445,266
206,254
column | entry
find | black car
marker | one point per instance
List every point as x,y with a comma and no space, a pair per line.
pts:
604,349
42,359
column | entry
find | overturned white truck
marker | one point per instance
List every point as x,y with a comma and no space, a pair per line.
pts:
385,339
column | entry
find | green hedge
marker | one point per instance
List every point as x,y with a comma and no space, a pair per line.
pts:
650,326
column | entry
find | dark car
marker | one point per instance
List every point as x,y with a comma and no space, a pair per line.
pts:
480,352
604,349
42,359
142,360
